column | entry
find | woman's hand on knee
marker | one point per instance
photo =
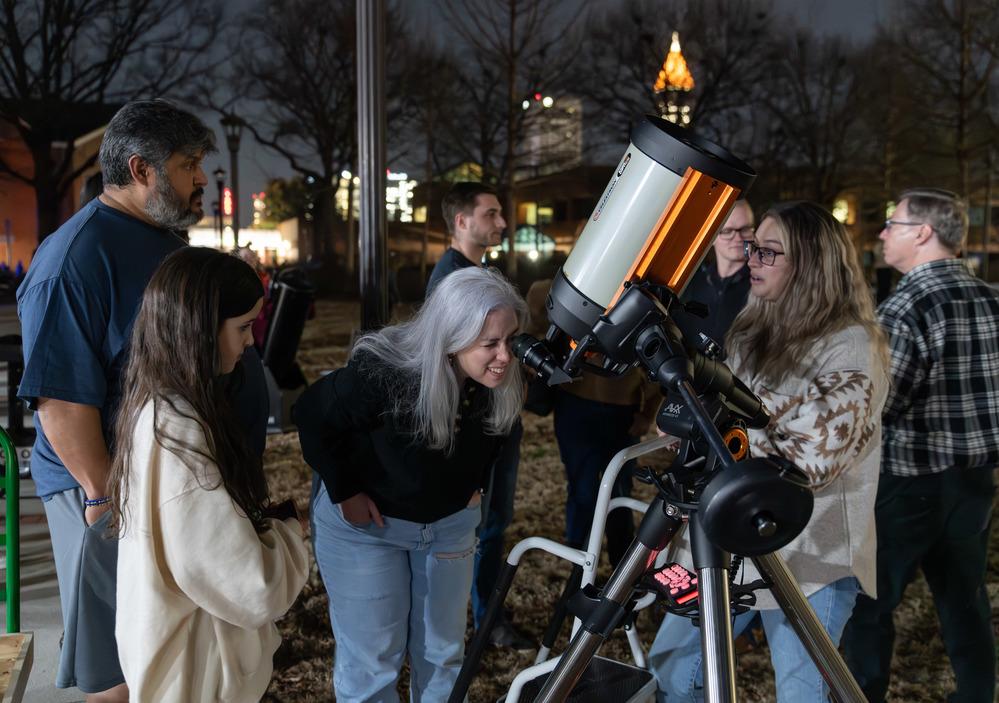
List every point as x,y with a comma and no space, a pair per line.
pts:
359,509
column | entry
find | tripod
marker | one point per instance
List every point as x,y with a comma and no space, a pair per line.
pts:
752,507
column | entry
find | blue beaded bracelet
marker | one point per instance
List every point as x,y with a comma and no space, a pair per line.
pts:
92,503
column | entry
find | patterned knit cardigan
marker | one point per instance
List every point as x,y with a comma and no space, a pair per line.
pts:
827,420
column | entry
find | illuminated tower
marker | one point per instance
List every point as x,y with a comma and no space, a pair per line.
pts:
673,85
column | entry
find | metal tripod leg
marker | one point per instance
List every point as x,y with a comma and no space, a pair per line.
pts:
711,564
656,531
811,633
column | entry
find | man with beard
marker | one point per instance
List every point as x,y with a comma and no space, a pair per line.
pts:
77,305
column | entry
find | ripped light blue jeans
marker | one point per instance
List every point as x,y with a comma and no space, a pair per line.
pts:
395,590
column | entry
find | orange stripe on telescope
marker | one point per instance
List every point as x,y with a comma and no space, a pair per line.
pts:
681,237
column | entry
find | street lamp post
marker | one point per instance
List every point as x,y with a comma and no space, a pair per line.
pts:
219,174
233,127
217,221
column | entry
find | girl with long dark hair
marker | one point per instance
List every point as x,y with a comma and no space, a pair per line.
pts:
402,440
203,568
808,344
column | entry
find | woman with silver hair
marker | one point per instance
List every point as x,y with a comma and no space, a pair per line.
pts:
401,441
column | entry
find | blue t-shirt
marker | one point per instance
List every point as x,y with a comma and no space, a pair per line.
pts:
77,305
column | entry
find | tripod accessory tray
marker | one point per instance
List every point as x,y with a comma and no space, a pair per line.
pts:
603,680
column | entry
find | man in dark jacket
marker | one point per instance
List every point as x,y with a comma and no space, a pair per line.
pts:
722,283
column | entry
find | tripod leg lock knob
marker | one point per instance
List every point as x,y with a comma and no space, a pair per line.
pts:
600,615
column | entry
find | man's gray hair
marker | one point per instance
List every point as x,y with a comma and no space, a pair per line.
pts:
154,130
942,210
450,320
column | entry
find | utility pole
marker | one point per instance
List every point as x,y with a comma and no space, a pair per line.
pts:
371,160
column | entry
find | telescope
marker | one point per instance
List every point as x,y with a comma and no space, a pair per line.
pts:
649,232
654,223
609,308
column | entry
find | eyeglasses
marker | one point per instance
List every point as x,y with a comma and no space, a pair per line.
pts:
766,256
900,223
743,232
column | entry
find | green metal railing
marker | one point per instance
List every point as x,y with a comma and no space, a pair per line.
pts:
11,534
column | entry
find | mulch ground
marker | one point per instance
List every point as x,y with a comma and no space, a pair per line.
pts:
921,672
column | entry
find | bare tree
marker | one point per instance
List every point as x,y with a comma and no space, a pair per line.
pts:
953,45
474,129
61,58
623,46
295,80
432,89
812,98
513,49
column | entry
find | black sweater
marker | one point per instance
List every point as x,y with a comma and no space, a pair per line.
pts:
350,437
725,298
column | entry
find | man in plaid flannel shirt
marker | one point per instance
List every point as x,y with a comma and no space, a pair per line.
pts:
941,445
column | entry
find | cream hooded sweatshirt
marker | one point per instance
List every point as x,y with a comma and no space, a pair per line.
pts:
198,588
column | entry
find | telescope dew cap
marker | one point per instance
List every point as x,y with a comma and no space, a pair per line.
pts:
677,149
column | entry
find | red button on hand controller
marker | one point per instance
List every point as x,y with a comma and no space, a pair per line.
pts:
676,582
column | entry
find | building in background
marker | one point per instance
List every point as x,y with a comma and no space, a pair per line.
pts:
275,243
552,136
398,196
82,131
674,85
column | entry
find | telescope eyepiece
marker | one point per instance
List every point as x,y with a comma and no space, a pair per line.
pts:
534,354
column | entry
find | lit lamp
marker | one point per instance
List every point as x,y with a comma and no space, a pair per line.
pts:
219,174
233,127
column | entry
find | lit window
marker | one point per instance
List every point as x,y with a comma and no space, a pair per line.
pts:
841,210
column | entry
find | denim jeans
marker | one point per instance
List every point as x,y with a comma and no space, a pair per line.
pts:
395,590
498,509
675,656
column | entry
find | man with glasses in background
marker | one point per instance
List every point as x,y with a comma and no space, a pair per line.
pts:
941,445
722,283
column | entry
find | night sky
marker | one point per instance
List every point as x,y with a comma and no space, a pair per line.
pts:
853,19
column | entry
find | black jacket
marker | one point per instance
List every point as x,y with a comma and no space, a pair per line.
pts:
725,298
452,260
351,438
